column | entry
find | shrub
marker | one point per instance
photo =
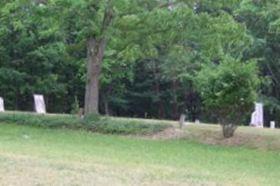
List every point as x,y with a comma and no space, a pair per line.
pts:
94,123
228,90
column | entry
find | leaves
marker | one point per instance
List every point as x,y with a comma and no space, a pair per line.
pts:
152,47
229,89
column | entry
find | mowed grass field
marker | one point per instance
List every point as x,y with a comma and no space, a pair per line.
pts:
40,156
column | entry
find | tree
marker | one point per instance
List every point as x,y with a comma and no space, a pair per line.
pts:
139,57
95,22
177,43
31,56
228,90
262,20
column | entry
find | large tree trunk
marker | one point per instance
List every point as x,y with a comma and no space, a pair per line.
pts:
95,53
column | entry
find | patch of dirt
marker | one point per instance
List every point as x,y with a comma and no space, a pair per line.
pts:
212,135
169,133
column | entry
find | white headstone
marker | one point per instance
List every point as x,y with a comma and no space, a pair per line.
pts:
2,108
40,106
272,124
257,116
197,121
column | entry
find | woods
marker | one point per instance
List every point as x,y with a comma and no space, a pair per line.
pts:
137,58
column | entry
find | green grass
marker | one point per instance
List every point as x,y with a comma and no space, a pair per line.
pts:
39,156
92,123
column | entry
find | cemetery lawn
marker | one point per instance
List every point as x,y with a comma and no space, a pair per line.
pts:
40,156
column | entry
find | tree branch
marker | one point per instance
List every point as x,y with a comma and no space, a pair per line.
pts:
108,16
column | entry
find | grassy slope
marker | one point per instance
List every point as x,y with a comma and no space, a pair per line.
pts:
36,156
256,138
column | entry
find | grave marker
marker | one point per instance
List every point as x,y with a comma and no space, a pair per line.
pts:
40,106
272,124
182,120
2,108
257,116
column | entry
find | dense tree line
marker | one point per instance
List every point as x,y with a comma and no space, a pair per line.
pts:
138,58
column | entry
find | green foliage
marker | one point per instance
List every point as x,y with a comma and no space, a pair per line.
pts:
229,89
151,56
93,123
32,54
262,21
46,121
121,126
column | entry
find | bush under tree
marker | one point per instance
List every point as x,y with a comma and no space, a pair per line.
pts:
229,91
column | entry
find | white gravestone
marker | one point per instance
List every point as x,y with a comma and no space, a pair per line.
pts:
272,124
2,109
40,106
257,116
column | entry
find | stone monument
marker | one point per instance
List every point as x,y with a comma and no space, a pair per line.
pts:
272,124
2,108
40,106
182,120
257,116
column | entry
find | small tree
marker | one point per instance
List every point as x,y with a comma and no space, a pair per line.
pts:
228,90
